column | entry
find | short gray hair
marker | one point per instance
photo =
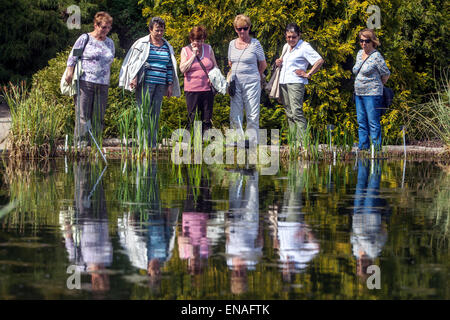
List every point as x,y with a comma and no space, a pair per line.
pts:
156,20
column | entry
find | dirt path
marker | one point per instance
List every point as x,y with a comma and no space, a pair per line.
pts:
5,124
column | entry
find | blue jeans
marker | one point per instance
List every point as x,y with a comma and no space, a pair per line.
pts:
368,116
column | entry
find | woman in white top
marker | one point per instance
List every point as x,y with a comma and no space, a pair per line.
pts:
247,61
297,55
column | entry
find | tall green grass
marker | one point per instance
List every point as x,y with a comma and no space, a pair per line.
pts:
136,124
432,119
36,122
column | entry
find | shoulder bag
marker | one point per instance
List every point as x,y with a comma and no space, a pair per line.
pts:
273,86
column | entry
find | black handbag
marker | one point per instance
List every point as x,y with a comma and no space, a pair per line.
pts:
232,87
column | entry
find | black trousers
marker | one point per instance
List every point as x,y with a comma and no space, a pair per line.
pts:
201,102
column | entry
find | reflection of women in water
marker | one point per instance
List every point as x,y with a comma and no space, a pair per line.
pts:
149,246
294,239
369,234
193,243
244,239
87,239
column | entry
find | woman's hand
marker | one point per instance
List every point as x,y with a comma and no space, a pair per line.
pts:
133,83
169,90
279,62
302,73
69,75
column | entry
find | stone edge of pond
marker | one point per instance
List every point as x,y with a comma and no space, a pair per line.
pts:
113,150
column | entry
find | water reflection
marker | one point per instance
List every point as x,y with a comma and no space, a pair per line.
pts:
369,234
147,233
193,242
244,237
293,238
240,234
86,233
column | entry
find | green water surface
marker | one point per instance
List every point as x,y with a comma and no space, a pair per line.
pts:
153,230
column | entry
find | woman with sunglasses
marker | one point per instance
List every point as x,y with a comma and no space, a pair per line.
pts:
297,56
247,61
96,60
197,59
371,74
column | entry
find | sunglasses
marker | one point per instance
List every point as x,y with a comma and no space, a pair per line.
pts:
243,28
366,41
104,27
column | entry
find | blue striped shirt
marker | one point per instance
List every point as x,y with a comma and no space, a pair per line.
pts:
161,69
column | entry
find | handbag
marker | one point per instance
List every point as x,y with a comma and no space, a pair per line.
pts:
218,80
216,74
70,89
231,84
388,97
273,86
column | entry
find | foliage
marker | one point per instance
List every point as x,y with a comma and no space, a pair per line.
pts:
36,122
32,32
431,120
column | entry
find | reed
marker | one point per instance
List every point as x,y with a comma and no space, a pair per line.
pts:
36,122
432,119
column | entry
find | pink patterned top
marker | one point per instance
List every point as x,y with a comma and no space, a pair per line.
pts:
195,79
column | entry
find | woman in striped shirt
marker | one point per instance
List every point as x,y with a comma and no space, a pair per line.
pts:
247,60
150,68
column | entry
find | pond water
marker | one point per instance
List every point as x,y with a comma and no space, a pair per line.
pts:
152,230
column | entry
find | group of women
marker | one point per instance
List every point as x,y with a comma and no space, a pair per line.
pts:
150,69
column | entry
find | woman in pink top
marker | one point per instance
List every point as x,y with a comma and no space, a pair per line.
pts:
197,87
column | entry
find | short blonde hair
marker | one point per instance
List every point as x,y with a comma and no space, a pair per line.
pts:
240,19
370,33
102,16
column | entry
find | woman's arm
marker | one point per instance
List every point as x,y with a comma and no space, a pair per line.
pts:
69,75
383,69
185,63
262,65
313,70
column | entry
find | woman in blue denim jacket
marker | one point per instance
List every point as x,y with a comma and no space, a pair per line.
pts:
371,74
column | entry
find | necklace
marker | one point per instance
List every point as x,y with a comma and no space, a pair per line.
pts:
242,44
